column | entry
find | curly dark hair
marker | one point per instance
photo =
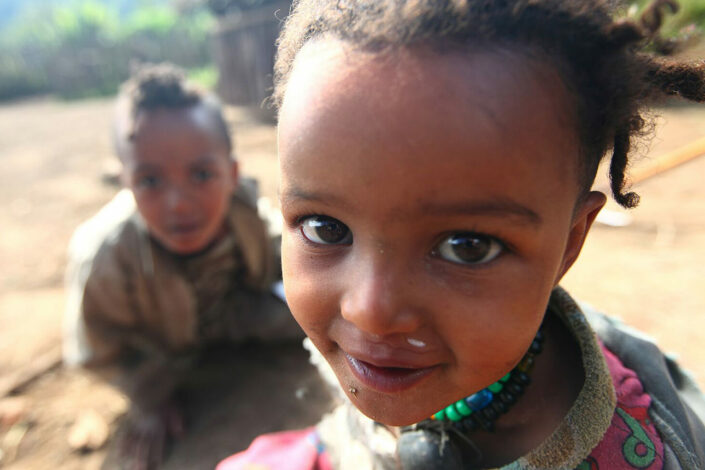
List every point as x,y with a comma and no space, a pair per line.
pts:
602,60
164,86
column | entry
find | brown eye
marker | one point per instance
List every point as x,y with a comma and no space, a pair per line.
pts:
148,181
325,230
469,248
202,175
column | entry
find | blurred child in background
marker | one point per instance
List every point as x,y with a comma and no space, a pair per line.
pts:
177,260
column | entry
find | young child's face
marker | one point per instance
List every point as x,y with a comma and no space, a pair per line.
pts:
182,176
430,206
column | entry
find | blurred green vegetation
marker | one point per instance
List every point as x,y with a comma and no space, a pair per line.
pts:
206,77
82,48
690,18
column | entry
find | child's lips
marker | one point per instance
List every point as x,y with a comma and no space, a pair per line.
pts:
387,376
185,228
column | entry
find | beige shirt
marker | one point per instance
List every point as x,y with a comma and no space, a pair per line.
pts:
132,302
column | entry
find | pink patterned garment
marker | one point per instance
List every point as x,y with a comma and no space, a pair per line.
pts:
291,450
631,441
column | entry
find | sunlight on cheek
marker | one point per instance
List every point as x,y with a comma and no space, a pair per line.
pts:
306,286
292,271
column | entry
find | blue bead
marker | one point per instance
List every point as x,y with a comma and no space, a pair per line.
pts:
479,400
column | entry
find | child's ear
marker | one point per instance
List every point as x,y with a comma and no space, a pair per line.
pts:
234,171
585,215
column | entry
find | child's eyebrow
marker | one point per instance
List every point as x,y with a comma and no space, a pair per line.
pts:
146,168
499,207
296,193
495,207
207,159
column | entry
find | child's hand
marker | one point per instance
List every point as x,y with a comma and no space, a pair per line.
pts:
147,434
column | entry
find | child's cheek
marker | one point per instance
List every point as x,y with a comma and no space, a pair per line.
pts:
308,293
297,284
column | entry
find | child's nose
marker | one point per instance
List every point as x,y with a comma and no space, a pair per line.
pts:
177,200
378,300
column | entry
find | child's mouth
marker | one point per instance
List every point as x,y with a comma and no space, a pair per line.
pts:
387,379
184,229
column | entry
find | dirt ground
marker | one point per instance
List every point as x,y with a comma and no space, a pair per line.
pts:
52,154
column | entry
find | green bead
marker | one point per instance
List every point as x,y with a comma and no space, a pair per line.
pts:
463,408
440,416
452,414
506,377
496,387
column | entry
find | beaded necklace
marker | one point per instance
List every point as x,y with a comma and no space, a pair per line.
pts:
480,410
442,440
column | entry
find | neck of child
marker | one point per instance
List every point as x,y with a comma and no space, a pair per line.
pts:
557,379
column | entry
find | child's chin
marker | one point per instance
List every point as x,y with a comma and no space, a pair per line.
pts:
392,414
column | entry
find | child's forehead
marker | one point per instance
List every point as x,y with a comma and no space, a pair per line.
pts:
410,89
441,122
158,126
483,78
195,118
158,134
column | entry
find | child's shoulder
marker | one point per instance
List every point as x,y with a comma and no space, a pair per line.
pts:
677,405
247,192
246,202
112,223
659,371
256,225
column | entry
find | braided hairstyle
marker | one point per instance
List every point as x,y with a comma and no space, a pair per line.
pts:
162,86
601,60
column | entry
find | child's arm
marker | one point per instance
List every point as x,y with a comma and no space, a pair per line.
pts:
678,405
104,333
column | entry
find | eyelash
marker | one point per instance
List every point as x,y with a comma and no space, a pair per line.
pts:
493,234
295,221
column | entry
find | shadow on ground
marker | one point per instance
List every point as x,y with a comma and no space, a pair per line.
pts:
240,394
